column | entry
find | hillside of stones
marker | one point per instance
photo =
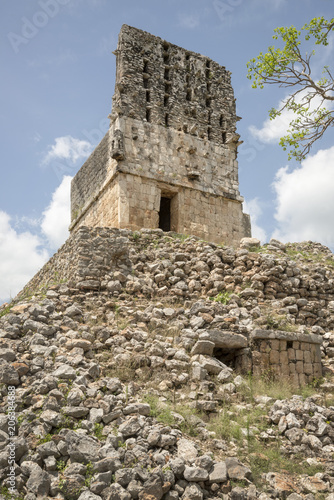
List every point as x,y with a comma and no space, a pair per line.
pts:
122,394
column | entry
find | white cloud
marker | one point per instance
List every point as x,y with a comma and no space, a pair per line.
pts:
305,201
272,130
67,148
23,253
254,209
57,218
21,256
189,21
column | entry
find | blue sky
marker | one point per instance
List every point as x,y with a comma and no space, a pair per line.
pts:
58,75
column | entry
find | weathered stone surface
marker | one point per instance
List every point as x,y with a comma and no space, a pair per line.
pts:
225,339
282,483
82,448
193,492
7,354
203,347
186,449
96,187
218,473
195,474
8,374
39,481
236,470
88,495
130,427
250,243
65,372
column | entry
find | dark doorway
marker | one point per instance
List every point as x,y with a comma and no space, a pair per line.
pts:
164,214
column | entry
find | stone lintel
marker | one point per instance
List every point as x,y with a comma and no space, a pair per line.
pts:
311,338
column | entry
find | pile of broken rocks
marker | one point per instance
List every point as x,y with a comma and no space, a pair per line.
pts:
84,433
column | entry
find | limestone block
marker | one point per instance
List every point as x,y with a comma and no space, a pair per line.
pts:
308,369
284,358
299,355
292,368
274,357
294,378
317,370
225,340
275,345
300,367
307,357
285,371
282,345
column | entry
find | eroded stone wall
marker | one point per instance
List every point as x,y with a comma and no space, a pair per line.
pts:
133,202
172,131
287,355
162,83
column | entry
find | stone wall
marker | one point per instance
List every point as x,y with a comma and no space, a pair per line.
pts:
133,202
83,261
162,83
89,181
286,355
173,122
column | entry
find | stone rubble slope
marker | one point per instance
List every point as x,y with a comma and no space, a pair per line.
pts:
86,357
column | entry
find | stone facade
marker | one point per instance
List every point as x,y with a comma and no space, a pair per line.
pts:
169,159
287,355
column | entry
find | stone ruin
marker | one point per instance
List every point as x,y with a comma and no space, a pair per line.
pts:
169,158
168,163
91,256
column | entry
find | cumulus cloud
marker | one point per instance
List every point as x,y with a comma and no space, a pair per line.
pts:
57,218
21,256
67,148
23,253
272,130
305,201
254,209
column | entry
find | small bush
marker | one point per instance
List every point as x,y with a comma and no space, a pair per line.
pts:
222,297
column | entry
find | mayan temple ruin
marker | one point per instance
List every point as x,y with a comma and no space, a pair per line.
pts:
169,158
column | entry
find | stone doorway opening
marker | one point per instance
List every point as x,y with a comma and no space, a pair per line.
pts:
165,214
238,359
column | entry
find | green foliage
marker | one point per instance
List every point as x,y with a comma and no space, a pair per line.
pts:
162,413
279,322
89,474
98,428
46,439
222,297
61,465
309,99
136,235
5,494
6,310
268,385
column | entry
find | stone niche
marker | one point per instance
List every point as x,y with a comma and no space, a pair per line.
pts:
169,158
286,355
294,357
